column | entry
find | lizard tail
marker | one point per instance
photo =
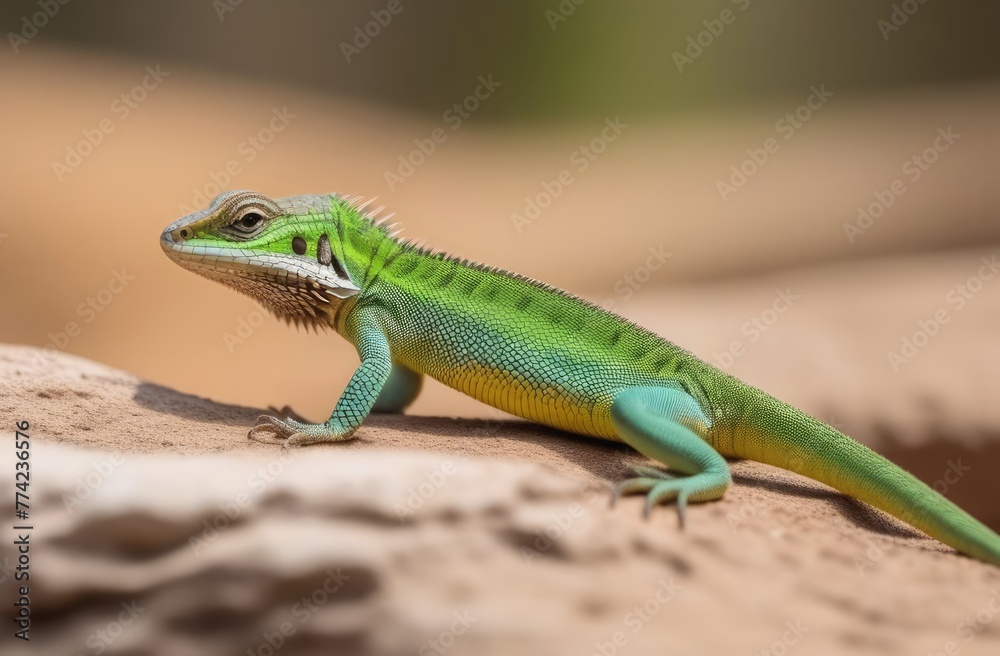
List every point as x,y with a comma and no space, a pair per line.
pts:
775,433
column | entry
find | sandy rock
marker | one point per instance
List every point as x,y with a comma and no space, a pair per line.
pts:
153,545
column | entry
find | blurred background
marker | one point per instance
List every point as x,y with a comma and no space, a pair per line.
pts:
683,163
802,193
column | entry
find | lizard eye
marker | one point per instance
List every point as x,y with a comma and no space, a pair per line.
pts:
247,218
250,221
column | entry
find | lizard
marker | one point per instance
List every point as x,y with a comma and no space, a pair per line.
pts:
529,349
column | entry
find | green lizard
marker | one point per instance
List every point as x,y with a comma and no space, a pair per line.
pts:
530,350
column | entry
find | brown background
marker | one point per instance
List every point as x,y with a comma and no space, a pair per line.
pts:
654,187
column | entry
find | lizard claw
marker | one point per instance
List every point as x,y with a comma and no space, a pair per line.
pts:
659,486
277,427
296,433
630,485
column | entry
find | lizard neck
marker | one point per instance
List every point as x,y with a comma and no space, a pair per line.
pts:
364,247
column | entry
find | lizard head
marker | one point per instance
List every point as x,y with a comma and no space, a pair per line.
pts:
284,253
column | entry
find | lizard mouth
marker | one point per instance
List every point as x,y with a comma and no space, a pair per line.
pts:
292,287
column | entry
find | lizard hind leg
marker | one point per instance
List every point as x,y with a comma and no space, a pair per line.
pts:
666,424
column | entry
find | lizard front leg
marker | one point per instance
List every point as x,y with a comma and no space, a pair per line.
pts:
356,401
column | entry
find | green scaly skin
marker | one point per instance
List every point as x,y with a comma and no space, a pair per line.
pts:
529,349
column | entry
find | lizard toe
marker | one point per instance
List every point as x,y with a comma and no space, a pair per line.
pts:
298,439
662,487
267,424
645,471
631,486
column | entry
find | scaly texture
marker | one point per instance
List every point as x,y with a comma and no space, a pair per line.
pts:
528,349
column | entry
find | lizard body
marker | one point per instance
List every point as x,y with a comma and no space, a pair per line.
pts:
528,349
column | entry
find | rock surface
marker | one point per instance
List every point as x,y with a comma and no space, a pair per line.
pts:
430,535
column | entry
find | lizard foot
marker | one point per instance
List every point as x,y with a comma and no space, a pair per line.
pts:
296,433
659,486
